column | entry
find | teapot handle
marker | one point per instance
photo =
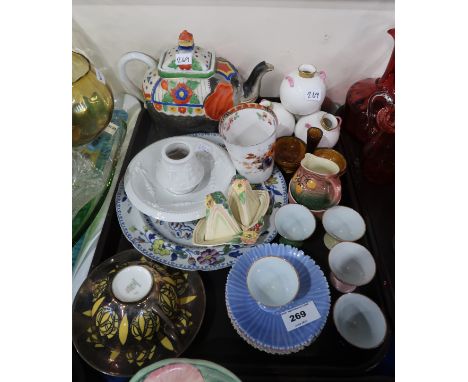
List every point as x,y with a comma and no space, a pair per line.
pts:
129,84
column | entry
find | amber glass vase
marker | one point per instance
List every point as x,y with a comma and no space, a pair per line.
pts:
366,97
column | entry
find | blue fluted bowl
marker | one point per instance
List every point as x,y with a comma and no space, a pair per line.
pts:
263,327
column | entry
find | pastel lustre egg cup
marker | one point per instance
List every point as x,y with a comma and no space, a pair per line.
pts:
295,223
272,281
351,265
342,223
359,321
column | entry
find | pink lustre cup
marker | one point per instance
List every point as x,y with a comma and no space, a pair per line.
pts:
249,133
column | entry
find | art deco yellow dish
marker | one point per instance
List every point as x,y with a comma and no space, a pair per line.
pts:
248,206
239,218
131,312
220,221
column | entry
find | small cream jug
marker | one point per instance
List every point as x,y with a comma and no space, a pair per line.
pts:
328,123
316,184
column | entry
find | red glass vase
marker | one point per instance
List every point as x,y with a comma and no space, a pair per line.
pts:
366,97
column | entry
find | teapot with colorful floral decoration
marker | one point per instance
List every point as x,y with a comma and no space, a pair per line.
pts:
190,88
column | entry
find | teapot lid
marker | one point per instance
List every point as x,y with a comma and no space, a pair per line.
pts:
187,60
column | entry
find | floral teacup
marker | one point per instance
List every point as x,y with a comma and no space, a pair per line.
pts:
249,133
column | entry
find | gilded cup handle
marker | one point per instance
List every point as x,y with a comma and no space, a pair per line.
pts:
340,120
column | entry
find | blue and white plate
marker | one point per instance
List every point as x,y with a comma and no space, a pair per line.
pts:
171,243
263,327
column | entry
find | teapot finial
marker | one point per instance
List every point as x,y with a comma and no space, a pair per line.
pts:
186,40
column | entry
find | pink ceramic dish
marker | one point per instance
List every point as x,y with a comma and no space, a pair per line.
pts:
176,372
184,370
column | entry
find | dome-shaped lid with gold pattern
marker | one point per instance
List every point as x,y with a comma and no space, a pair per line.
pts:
131,312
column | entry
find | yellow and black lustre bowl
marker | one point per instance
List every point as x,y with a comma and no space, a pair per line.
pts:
131,312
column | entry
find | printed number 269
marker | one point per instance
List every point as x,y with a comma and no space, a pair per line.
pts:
183,60
297,316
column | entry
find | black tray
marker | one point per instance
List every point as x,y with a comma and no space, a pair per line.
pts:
329,358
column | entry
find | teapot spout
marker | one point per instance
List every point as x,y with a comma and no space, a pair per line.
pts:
251,87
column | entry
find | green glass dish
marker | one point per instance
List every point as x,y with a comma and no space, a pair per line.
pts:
104,152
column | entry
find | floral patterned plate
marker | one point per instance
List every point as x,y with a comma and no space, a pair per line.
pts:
171,243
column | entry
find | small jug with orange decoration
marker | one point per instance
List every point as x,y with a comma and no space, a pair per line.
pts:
316,184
